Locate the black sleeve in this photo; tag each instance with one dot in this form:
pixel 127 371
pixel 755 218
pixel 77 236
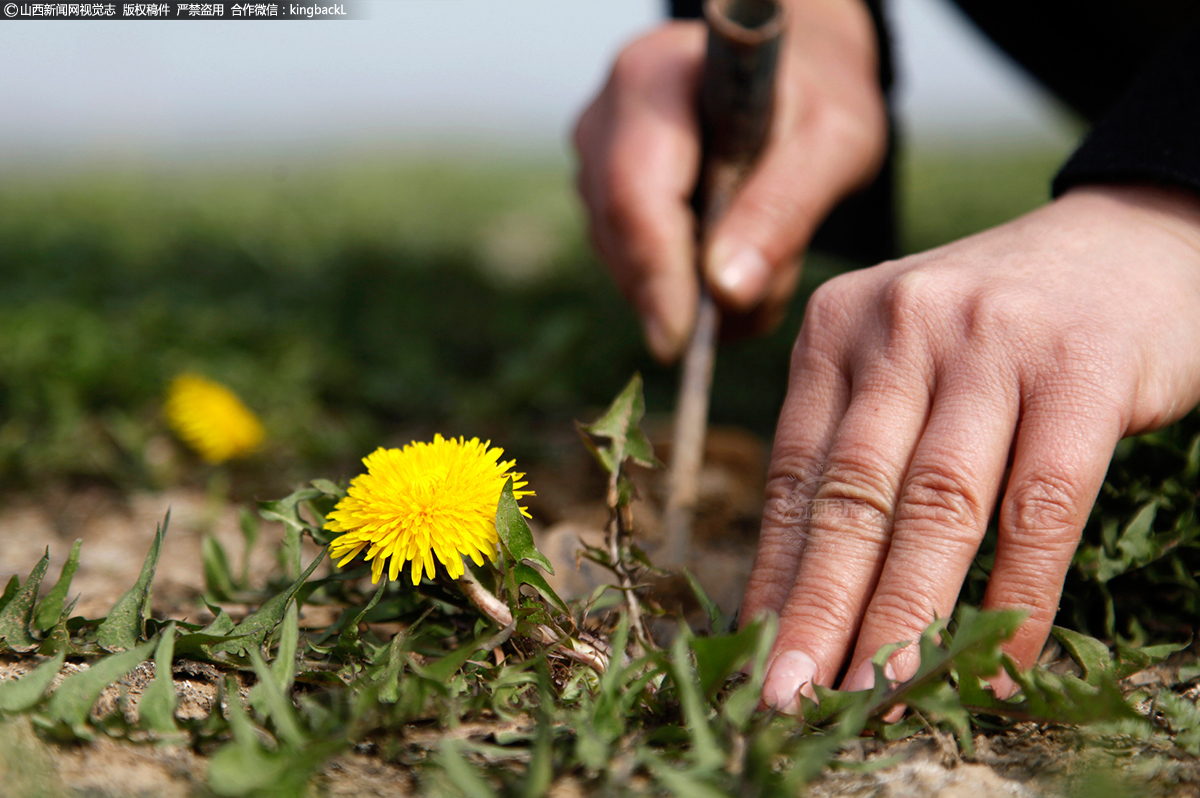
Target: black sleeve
pixel 1152 134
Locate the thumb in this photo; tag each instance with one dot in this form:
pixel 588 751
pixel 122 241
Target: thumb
pixel 772 218
pixel 802 175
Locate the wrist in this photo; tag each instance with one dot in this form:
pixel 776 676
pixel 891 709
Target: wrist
pixel 1167 208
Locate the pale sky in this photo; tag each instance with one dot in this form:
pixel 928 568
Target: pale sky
pixel 418 72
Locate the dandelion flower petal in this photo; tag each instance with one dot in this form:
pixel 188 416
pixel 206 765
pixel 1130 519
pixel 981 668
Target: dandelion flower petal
pixel 427 501
pixel 211 419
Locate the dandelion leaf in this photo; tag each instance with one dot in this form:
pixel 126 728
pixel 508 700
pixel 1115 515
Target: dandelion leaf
pixel 621 424
pixel 156 709
pixel 718 621
pixel 21 695
pixel 283 668
pixel 719 657
pixel 17 615
pixel 1089 653
pixel 348 642
pixel 10 590
pixel 218 578
pixel 245 767
pixel 126 621
pixel 276 704
pixel 253 630
pixel 514 530
pixel 528 576
pixel 66 713
pixel 705 752
pixel 50 608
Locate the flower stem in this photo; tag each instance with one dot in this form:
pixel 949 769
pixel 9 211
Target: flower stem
pixel 495 609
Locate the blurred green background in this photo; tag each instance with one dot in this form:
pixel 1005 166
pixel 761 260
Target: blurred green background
pixel 355 303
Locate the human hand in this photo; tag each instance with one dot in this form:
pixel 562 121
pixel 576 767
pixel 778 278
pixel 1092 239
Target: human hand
pixel 639 153
pixel 913 383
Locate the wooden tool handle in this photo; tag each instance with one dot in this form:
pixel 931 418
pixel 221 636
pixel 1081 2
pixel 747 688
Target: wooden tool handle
pixel 737 100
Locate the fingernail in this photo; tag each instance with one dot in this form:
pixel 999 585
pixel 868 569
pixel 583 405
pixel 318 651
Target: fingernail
pixel 861 679
pixel 740 275
pixel 1003 687
pixel 864 677
pixel 791 671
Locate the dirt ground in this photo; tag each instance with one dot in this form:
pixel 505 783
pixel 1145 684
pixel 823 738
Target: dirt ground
pixel 117 530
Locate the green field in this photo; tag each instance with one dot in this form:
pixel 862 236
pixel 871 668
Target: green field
pixel 351 302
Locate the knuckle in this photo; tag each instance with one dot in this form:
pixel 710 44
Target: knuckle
pixel 1041 503
pixel 826 614
pixel 1025 591
pixel 904 614
pixel 635 61
pixel 910 302
pixel 942 498
pixel 853 492
pixel 830 308
pixel 790 487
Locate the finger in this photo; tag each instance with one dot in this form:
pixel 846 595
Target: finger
pixel 639 149
pixel 767 314
pixel 942 515
pixel 816 400
pixel 773 217
pixel 848 532
pixel 1062 453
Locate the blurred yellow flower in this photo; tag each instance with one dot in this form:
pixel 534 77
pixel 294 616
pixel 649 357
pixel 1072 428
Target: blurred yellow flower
pixel 210 419
pixel 423 500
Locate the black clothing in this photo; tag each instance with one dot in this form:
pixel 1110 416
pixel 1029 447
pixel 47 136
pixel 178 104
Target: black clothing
pixel 1132 69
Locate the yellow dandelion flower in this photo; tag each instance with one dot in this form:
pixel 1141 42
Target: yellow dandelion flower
pixel 210 419
pixel 423 500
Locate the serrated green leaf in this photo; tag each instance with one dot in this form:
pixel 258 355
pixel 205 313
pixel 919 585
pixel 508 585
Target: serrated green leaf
pixel 218 578
pixel 17 615
pixel 255 627
pixel 156 709
pixel 348 638
pixel 50 608
pixel 244 767
pixel 278 706
pixel 389 676
pixel 442 669
pixel 10 590
pixel 739 707
pixel 514 530
pixel 325 486
pixel 719 657
pixel 1130 660
pixel 22 695
pixel 248 522
pixel 126 621
pixel 705 752
pixel 684 783
pixel 287 512
pixel 1091 654
pixel 526 575
pixel 283 667
pixel 718 621
pixel 620 423
pixel 68 708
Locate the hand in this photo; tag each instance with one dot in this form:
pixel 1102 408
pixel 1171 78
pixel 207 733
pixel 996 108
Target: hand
pixel 639 155
pixel 914 383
